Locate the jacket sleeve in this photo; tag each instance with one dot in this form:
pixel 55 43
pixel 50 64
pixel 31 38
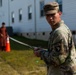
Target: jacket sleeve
pixel 59 50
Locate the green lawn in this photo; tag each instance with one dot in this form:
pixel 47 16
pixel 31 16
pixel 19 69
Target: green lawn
pixel 21 58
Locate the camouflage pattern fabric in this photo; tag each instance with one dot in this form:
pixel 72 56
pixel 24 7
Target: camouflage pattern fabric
pixel 61 55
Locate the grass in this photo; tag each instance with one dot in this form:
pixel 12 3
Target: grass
pixel 22 59
pixel 32 42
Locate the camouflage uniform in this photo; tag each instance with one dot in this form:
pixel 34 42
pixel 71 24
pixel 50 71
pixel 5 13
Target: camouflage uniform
pixel 60 56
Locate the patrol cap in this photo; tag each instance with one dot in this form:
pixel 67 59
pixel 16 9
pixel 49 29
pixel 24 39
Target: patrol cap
pixel 51 7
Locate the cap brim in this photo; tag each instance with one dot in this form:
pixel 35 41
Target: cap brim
pixel 51 12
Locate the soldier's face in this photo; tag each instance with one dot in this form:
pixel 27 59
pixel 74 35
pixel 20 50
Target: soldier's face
pixel 3 25
pixel 53 19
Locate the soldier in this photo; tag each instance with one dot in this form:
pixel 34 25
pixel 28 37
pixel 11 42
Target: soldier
pixel 3 36
pixel 60 57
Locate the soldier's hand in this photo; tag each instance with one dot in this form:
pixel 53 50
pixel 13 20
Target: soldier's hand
pixel 37 51
pixel 1 35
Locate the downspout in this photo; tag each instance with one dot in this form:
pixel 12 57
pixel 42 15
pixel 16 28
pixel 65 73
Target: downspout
pixel 9 12
pixel 35 19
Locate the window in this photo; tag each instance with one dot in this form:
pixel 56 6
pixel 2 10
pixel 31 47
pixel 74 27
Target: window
pixel 41 8
pixel 30 12
pixel 60 4
pixel 20 14
pixel 0 3
pixel 12 17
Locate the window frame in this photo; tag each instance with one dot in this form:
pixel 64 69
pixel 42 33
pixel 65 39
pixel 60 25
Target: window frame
pixel 30 12
pixel 41 8
pixel 20 14
pixel 1 3
pixel 12 17
pixel 60 4
pixel 11 0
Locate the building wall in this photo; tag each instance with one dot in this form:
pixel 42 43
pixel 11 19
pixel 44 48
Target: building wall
pixel 37 27
pixel 25 25
pixel 69 13
pixel 4 12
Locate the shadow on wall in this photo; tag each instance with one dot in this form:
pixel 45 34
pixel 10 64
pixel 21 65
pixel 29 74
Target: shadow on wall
pixel 10 30
pixel 74 36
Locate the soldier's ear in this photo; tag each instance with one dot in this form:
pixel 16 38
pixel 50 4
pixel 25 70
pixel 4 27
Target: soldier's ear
pixel 60 13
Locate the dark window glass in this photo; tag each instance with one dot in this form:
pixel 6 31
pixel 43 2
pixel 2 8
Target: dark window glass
pixel 41 8
pixel 30 12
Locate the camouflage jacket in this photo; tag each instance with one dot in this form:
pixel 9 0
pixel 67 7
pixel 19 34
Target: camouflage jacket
pixel 61 51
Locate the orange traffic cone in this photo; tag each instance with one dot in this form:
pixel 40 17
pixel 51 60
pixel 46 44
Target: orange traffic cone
pixel 8 45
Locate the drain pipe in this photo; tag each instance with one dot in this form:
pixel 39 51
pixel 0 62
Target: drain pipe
pixel 9 12
pixel 35 19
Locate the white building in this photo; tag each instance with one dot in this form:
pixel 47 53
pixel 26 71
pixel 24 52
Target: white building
pixel 27 18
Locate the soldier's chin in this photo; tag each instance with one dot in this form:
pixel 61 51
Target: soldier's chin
pixel 53 24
